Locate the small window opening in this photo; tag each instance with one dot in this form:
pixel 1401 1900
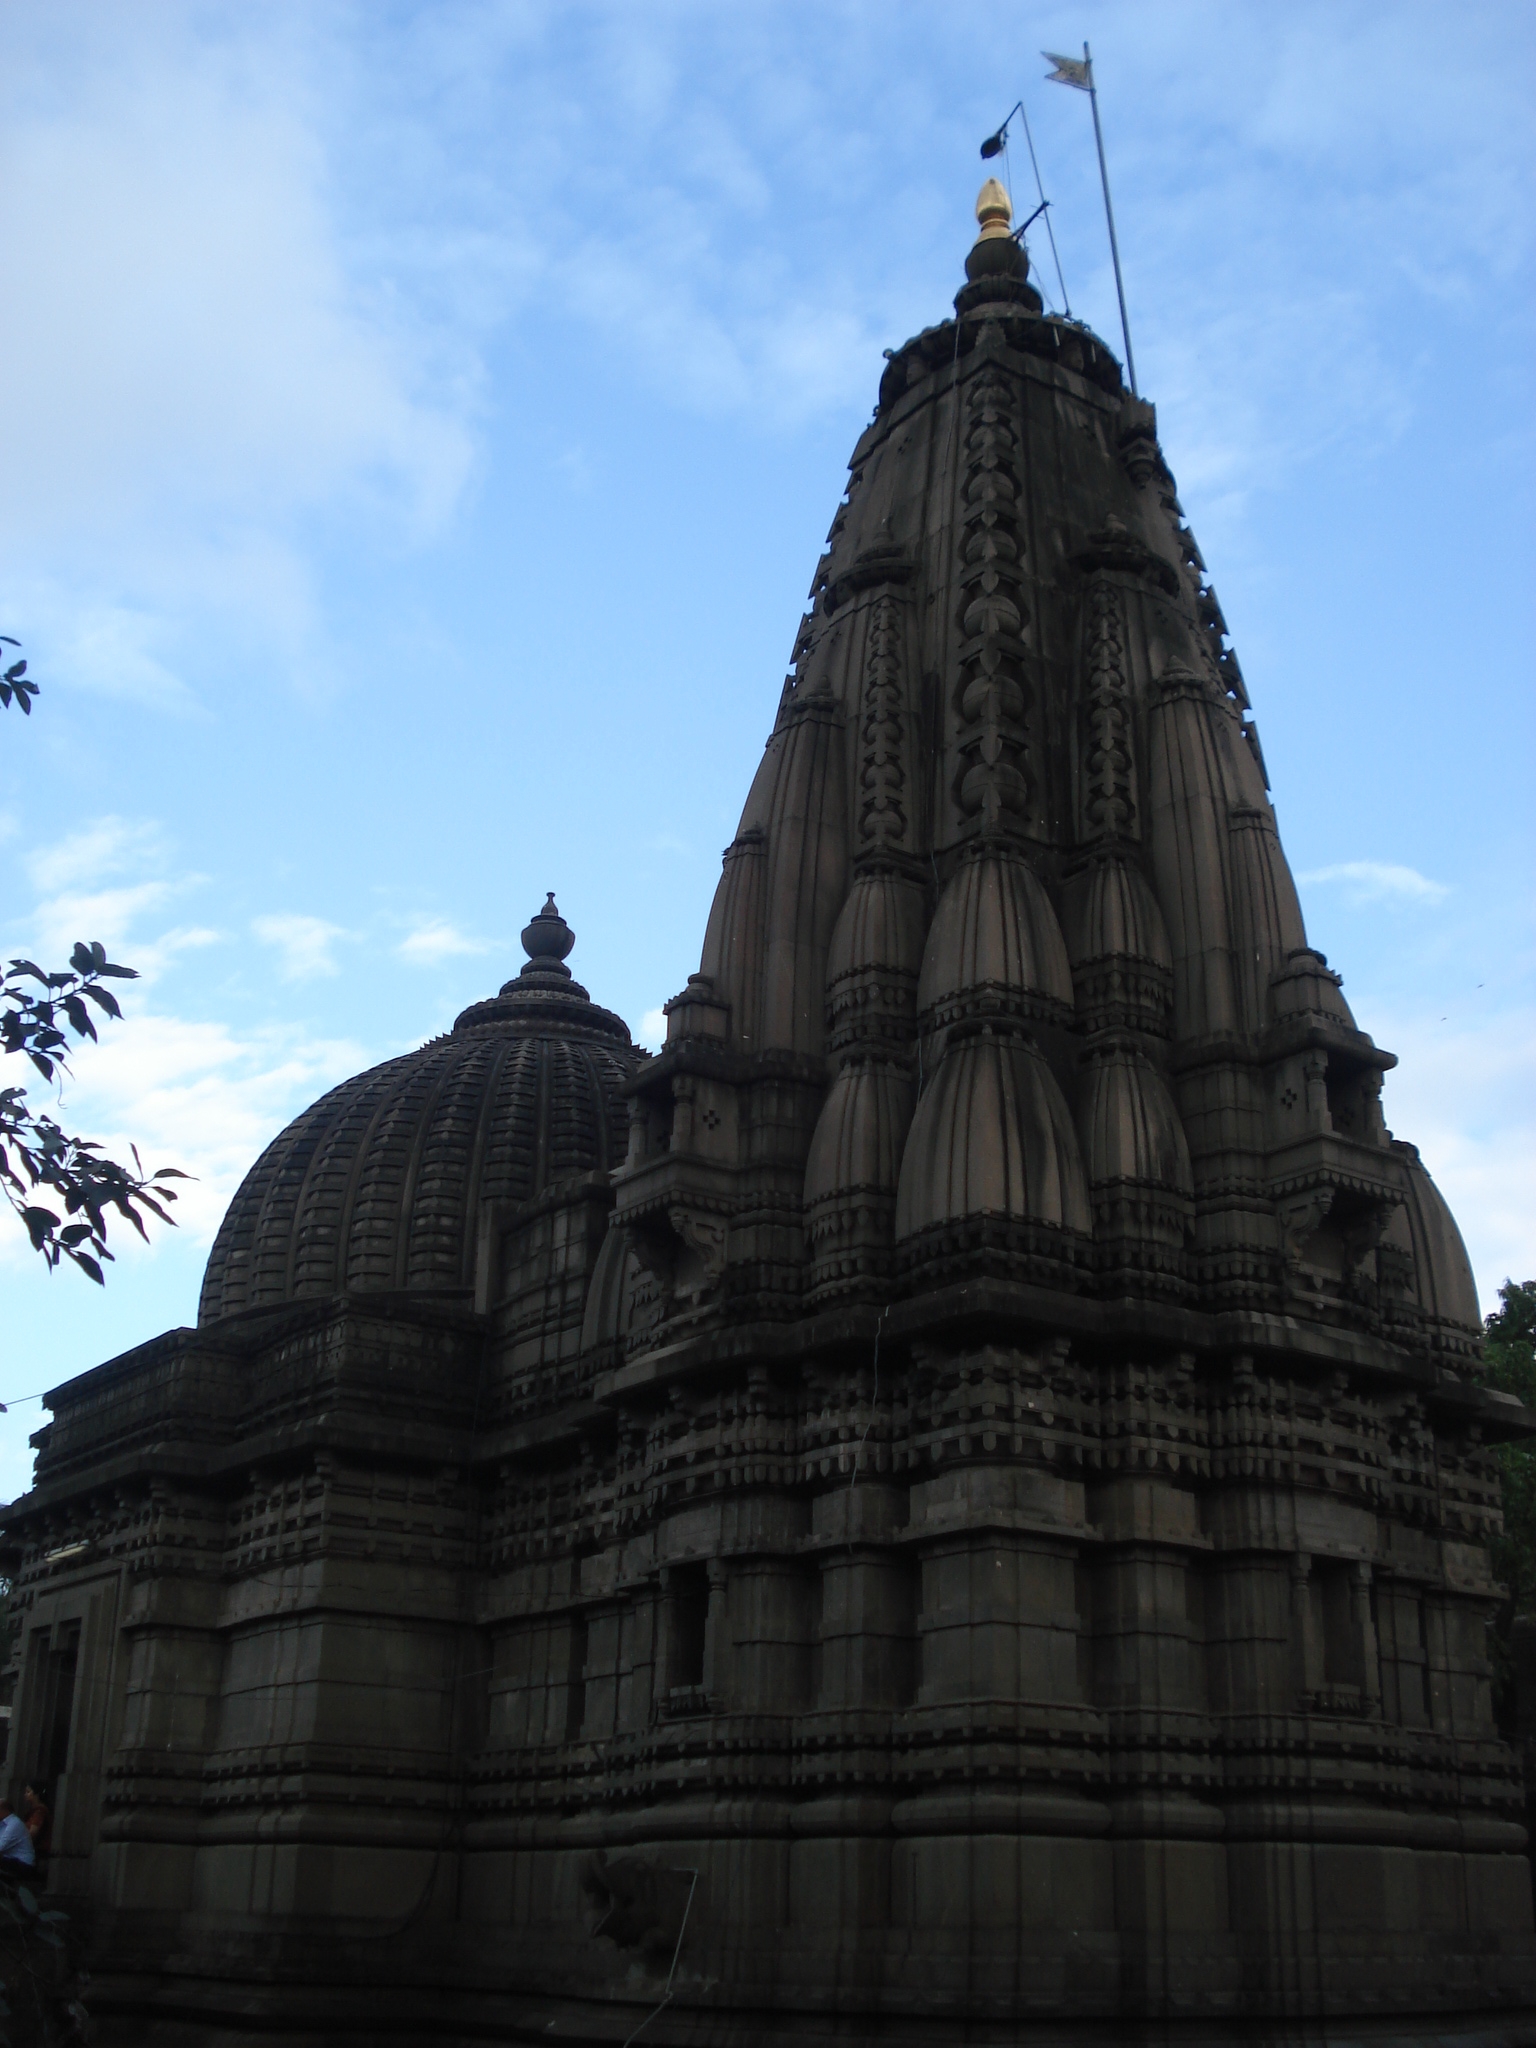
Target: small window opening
pixel 1338 1628
pixel 58 1702
pixel 688 1597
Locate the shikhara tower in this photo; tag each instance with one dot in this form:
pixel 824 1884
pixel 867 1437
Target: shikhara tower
pixel 972 1522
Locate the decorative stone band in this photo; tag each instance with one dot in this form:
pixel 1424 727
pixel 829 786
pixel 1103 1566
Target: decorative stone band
pixel 1178 682
pixel 868 571
pixel 1115 547
pixel 870 1008
pixel 935 351
pixel 1118 991
pixel 1140 1229
pixel 995 1246
pixel 991 1002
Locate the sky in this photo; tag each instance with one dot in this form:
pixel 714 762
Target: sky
pixel 419 424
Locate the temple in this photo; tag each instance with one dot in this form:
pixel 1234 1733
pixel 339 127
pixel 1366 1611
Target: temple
pixel 948 1505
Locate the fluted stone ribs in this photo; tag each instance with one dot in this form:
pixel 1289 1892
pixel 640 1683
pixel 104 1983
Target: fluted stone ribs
pixel 377 1188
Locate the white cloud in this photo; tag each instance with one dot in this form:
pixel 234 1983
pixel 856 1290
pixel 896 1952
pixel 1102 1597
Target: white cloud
pixel 1465 1094
pixel 105 914
pixel 202 1095
pixel 109 649
pixel 199 1096
pixel 1378 881
pixel 304 944
pixel 96 888
pixel 653 1029
pixel 198 358
pixel 434 941
pixel 184 323
pixel 110 846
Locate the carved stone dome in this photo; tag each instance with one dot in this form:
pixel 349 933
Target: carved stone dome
pixel 378 1186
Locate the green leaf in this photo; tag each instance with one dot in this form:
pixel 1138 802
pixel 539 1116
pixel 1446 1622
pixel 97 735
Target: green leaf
pixel 40 1224
pixel 79 1016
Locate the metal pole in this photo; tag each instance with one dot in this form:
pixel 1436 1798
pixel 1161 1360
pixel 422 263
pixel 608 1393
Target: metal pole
pixel 1109 214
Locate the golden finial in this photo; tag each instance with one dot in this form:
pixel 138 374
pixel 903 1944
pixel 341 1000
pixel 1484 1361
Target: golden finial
pixel 994 209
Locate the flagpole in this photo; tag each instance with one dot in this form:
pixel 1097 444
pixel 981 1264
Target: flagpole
pixel 1109 214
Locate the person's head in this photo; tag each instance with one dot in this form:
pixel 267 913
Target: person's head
pixel 35 1794
pixel 6 1808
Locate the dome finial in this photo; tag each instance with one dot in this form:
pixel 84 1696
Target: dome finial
pixel 995 253
pixel 994 209
pixel 547 938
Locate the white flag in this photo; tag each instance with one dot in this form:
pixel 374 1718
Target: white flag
pixel 1069 71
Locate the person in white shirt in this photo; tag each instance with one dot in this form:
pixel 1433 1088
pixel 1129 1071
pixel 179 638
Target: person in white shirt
pixel 15 1842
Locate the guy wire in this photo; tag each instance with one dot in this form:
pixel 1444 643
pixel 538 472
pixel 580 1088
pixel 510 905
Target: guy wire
pixel 1040 188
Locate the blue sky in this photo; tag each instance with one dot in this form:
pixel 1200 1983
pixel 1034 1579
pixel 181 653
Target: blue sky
pixel 419 427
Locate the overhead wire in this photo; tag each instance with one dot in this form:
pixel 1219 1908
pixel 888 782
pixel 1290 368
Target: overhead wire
pixel 666 1997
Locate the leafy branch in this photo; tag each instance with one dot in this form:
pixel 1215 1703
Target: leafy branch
pixel 41 1014
pixel 39 1010
pixel 15 685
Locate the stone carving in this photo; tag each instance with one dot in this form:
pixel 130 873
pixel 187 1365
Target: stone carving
pixel 992 695
pixel 883 796
pixel 973 1447
pixel 1109 775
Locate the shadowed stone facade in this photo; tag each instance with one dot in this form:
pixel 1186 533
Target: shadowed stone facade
pixel 946 1506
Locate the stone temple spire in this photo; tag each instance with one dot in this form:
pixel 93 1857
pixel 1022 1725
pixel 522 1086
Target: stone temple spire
pixel 1009 879
pixel 950 1504
pixel 1011 1103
